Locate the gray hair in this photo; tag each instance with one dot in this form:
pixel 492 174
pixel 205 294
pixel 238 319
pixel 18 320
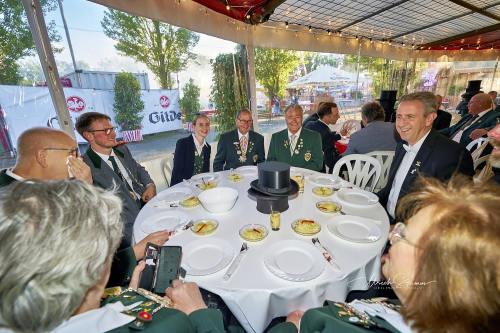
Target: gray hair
pixel 294 107
pixel 57 238
pixel 244 110
pixel 372 111
pixel 427 99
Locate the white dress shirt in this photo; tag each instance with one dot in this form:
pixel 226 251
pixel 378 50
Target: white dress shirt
pixel 458 136
pixel 297 135
pixel 199 147
pixel 122 168
pixel 404 167
pixel 9 172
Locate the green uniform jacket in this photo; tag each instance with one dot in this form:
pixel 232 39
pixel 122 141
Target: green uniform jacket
pixel 308 150
pixel 327 319
pixel 229 153
pixel 171 320
pixel 5 179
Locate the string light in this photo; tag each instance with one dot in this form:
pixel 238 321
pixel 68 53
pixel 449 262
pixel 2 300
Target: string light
pixel 248 16
pixel 329 33
pixel 286 25
pixel 310 29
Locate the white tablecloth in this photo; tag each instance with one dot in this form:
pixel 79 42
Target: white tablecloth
pixel 256 296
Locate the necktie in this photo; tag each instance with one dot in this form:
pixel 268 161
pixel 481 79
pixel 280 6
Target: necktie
pixel 293 139
pixel 467 123
pixel 116 169
pixel 243 144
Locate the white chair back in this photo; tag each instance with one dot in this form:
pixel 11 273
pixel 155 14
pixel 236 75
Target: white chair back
pixel 362 170
pixel 160 170
pixel 476 143
pixel 385 158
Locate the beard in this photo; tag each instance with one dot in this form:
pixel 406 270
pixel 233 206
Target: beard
pixel 495 154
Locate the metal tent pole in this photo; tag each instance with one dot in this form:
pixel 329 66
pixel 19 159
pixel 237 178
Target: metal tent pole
pixel 39 32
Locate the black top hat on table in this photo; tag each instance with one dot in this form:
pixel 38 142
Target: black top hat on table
pixel 273 187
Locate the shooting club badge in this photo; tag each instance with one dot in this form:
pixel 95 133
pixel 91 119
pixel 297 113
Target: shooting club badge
pixel 255 157
pixel 243 158
pixel 307 156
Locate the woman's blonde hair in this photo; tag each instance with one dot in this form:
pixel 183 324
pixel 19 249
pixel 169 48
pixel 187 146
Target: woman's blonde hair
pixel 460 251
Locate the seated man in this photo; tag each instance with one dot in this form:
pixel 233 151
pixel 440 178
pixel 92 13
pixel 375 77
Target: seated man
pixel 46 154
pixel 376 134
pixel 295 145
pixel 328 113
pixel 112 165
pixel 51 154
pixel 481 118
pixel 59 289
pixel 426 152
pixel 444 272
pixel 443 118
pixel 241 146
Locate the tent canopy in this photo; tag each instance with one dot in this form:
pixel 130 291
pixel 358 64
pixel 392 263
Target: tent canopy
pixel 324 76
pixel 432 30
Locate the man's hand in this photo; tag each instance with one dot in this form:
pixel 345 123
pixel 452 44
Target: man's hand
pixel 185 296
pixel 477 133
pixel 134 281
pixel 158 238
pixel 344 130
pixel 149 192
pixel 295 317
pixel 79 169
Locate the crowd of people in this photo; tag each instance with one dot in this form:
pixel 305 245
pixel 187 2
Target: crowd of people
pixel 66 222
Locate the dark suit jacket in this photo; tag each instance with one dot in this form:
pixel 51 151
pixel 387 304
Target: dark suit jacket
pixel 487 121
pixel 438 157
pixel 105 177
pixel 328 139
pixel 227 156
pixel 5 179
pixel 312 117
pixel 184 159
pixel 442 121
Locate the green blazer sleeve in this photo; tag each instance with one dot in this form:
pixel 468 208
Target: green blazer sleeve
pixel 220 156
pixel 207 321
pixel 284 328
pixel 122 267
pixel 316 146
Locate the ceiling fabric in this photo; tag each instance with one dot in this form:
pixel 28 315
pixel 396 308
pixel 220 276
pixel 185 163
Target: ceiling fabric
pixel 313 31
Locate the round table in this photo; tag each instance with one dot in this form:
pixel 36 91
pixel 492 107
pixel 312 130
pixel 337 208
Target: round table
pixel 253 293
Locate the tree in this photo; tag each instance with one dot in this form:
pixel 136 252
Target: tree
pixel 163 48
pixel 228 89
pixel 273 68
pixel 128 104
pixel 313 60
pixel 190 101
pixel 16 41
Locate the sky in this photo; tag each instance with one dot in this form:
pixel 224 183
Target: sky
pixel 91 46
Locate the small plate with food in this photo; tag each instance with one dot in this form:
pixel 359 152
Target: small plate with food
pixel 306 227
pixel 253 232
pixel 322 191
pixel 329 207
pixel 204 227
pixel 190 202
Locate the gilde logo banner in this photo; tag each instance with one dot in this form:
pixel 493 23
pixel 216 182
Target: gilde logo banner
pixel 75 104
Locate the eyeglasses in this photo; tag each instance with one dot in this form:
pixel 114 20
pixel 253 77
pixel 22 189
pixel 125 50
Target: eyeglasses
pixel 245 121
pixel 106 131
pixel 71 151
pixel 399 233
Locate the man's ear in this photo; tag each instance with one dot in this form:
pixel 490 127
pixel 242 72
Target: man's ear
pixel 41 157
pixel 430 118
pixel 87 136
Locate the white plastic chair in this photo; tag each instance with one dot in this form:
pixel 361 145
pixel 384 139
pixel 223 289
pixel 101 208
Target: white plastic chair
pixel 473 145
pixel 362 170
pixel 385 158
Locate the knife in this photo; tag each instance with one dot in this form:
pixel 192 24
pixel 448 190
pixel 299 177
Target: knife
pixel 236 262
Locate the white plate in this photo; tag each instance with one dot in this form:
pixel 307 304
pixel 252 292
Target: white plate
pixel 165 220
pixel 206 256
pixel 355 229
pixel 173 195
pixel 294 260
pixel 207 177
pixel 322 180
pixel 356 197
pixel 247 170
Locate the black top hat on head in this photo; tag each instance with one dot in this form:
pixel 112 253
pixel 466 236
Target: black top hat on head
pixel 274 179
pixel 274 186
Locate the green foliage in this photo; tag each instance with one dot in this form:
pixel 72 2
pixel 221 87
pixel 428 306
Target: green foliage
pixel 273 68
pixel 128 105
pixel 190 101
pixel 163 48
pixel 455 89
pixel 228 89
pixel 313 60
pixel 16 41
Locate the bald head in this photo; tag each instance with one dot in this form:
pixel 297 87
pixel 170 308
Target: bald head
pixel 43 152
pixel 479 103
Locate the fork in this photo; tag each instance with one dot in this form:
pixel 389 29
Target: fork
pixel 236 262
pixel 181 227
pixel 326 253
